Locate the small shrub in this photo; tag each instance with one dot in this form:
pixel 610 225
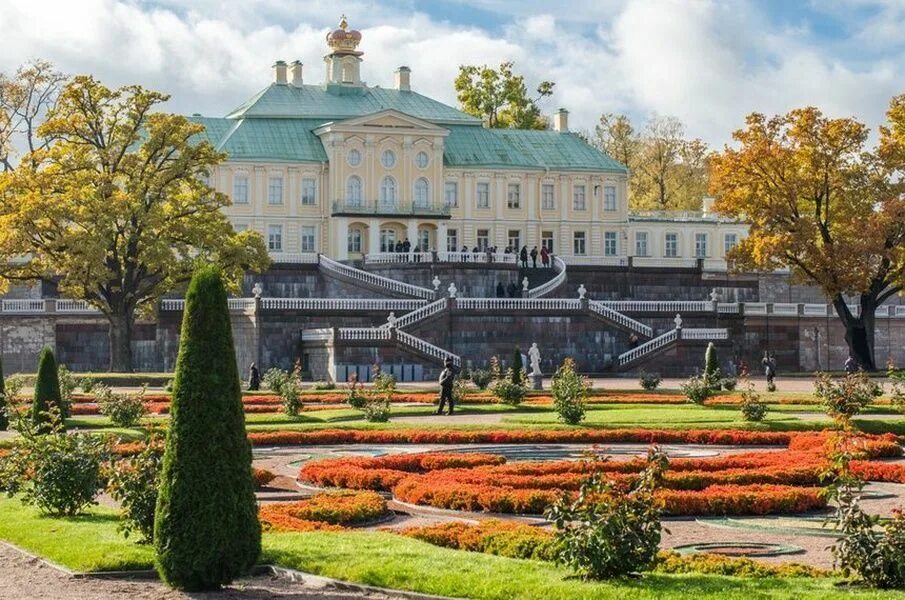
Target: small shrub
pixel 123 410
pixel 610 530
pixel 385 385
pixel 355 394
pixel 377 410
pixel 322 386
pixel 288 387
pixel 481 378
pixel 729 383
pixel 460 390
pixel 696 389
pixel 86 384
pixel 133 482
pixel 847 397
pixel 496 369
pixel 897 387
pixel 649 381
pixel 569 391
pixel 68 384
pixel 508 392
pixel 59 474
pixel 753 408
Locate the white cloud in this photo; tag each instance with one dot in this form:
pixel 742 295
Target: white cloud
pixel 707 62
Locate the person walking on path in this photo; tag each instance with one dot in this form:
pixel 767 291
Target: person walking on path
pixel 523 257
pixel 544 256
pixel 851 365
pixel 534 257
pixel 769 364
pixel 254 378
pixel 447 378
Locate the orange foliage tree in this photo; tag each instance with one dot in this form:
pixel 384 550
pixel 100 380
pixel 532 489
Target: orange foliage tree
pixel 821 203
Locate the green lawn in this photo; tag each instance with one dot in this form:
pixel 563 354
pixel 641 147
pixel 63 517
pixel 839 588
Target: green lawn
pixel 91 543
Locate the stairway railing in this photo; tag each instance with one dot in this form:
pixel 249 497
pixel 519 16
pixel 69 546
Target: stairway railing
pixel 391 285
pixel 617 317
pixel 542 290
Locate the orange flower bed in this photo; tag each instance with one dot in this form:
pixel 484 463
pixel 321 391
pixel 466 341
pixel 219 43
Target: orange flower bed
pixel 262 477
pixel 731 437
pixel 323 511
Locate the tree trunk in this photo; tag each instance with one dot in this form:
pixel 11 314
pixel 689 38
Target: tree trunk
pixel 121 342
pixel 859 331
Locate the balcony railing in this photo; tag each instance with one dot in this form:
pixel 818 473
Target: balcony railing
pixel 397 208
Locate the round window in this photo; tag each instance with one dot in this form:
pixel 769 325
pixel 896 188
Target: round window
pixel 421 159
pixel 388 159
pixel 354 158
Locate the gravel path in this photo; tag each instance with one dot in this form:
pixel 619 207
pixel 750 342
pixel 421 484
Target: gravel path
pixel 22 576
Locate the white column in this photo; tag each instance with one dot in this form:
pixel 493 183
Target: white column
pixel 413 232
pixel 374 236
pixel 342 237
pixel 441 236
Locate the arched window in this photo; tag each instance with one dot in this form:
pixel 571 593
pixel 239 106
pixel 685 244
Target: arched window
pixel 422 193
pixel 388 191
pixel 353 191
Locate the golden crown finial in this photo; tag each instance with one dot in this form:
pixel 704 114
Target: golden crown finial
pixel 343 23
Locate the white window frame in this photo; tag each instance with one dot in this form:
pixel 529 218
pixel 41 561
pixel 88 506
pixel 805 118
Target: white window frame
pixel 308 238
pixel 727 247
pixel 609 198
pixel 579 243
pixel 356 153
pixel 546 240
pixel 422 193
pixel 671 246
pixel 482 238
pixel 517 237
pixel 700 245
pixel 388 192
pixel 353 191
pixel 275 238
pixel 514 196
pixel 579 197
pixel 610 243
pixel 422 164
pixel 482 194
pixel 642 243
pixel 353 240
pixel 240 184
pixel 275 190
pixel 451 194
pixel 452 240
pixel 309 191
pixel 547 196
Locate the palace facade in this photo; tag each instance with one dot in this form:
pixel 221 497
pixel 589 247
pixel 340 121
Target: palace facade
pixel 347 170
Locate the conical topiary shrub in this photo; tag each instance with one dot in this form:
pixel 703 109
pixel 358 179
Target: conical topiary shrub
pixel 711 365
pixel 206 530
pixel 518 369
pixel 47 390
pixel 4 417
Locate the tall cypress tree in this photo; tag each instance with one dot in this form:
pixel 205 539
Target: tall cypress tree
pixel 47 390
pixel 711 364
pixel 518 368
pixel 4 417
pixel 206 530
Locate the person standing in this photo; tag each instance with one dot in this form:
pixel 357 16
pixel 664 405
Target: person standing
pixel 447 378
pixel 769 364
pixel 851 365
pixel 500 290
pixel 534 257
pixel 523 257
pixel 544 257
pixel 254 378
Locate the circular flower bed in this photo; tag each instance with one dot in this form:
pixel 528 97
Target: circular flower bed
pixel 327 511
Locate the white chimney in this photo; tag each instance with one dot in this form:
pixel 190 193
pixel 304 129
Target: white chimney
pixel 707 204
pixel 295 73
pixel 404 79
pixel 561 120
pixel 279 72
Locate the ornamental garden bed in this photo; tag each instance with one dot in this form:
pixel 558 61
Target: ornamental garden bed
pixel 754 483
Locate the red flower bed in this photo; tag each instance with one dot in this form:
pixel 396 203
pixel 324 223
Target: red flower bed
pixel 262 477
pixel 323 511
pixel 732 437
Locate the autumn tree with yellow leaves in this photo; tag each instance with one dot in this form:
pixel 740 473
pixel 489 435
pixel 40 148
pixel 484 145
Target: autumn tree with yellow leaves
pixel 115 207
pixel 824 205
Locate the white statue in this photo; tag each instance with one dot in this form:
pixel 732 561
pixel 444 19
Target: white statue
pixel 452 290
pixel 582 290
pixel 525 284
pixel 534 358
pixel 678 321
pixel 714 295
pixel 436 283
pixel 391 320
pixel 257 290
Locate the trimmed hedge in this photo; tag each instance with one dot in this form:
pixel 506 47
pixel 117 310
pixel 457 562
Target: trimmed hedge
pixel 206 531
pixel 47 390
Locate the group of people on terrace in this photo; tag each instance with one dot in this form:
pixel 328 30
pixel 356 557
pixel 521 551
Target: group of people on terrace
pixel 522 256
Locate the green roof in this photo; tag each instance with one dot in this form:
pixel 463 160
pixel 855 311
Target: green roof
pixel 278 124
pixel 525 149
pixel 344 102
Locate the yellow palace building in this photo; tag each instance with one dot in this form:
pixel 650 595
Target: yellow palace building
pixel 347 170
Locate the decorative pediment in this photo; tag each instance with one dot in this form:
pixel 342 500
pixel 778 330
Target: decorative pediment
pixel 383 121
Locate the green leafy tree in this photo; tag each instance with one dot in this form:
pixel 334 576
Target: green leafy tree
pixel 116 208
pixel 570 390
pixel 47 390
pixel 206 529
pixel 500 97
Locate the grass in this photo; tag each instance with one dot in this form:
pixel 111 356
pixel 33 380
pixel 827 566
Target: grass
pixel 91 543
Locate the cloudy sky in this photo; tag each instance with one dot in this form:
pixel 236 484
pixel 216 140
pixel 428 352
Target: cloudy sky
pixel 709 62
